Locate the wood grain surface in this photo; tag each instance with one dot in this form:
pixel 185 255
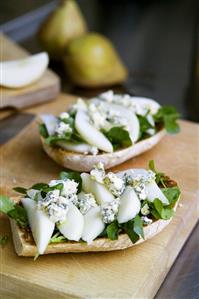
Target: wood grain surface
pixel 136 272
pixel 45 89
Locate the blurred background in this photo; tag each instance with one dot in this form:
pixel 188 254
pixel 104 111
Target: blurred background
pixel 158 42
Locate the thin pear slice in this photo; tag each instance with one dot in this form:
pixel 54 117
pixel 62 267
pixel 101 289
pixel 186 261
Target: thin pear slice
pixel 50 121
pixel 41 226
pixel 72 227
pixel 153 192
pixel 93 225
pixel 129 205
pixel 101 193
pixel 75 147
pixel 22 72
pixel 133 122
pixel 90 134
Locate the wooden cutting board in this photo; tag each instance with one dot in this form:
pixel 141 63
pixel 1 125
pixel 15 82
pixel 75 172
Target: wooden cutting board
pixel 133 273
pixel 45 89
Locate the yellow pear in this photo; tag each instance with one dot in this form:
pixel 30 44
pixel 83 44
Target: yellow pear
pixel 65 23
pixel 92 61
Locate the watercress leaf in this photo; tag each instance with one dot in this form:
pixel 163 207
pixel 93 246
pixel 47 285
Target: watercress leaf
pixel 6 204
pixel 20 190
pixel 39 186
pixel 55 187
pixel 172 194
pixel 168 116
pixel 158 205
pixel 3 240
pixel 129 229
pixel 160 176
pixel 43 130
pixel 57 238
pixel 19 215
pixel 51 140
pixel 165 212
pixel 144 126
pixel 119 137
pixel 72 175
pixel 138 226
pixel 113 230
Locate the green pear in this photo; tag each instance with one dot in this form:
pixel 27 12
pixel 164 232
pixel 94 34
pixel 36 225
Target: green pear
pixel 92 61
pixel 64 24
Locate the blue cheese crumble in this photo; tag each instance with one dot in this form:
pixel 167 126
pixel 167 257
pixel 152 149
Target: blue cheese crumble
pixel 98 173
pixel 145 210
pixel 114 184
pixel 62 129
pixel 85 202
pixel 109 211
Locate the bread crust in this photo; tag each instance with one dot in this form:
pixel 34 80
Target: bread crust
pixel 25 246
pixel 82 162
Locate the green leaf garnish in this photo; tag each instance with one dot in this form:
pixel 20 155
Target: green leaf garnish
pixel 57 238
pixel 161 211
pixel 13 210
pixel 43 130
pixel 119 137
pixel 6 204
pixel 160 176
pixel 53 139
pixel 39 186
pixel 172 194
pixel 20 190
pixel 3 240
pixel 113 230
pixel 129 229
pixel 144 126
pixel 72 175
pixel 138 226
pixel 168 116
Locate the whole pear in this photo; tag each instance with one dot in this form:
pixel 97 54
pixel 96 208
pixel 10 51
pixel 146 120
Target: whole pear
pixel 92 61
pixel 63 24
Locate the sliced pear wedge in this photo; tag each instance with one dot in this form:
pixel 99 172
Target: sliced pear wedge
pixel 101 193
pixel 41 226
pixel 90 134
pixel 151 105
pixel 50 122
pixel 72 227
pixel 93 225
pixel 133 122
pixel 75 147
pixel 129 205
pixel 22 72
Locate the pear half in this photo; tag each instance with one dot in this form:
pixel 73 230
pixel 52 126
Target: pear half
pixel 22 72
pixel 41 226
pixel 92 61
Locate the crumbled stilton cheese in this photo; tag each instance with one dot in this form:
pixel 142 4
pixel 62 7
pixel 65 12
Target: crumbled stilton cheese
pixel 109 211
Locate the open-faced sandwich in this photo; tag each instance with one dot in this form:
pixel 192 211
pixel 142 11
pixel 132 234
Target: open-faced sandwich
pixel 110 128
pixel 91 212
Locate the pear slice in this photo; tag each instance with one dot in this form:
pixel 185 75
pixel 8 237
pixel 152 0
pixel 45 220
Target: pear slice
pixel 129 205
pixel 72 227
pixel 90 134
pixel 75 147
pixel 41 226
pixel 153 192
pixel 152 189
pixel 50 121
pixel 22 72
pixel 93 225
pixel 133 122
pixel 101 193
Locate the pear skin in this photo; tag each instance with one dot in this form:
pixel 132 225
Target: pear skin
pixel 92 61
pixel 62 25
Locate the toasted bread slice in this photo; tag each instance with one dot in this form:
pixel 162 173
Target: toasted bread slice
pixel 25 245
pixel 82 162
